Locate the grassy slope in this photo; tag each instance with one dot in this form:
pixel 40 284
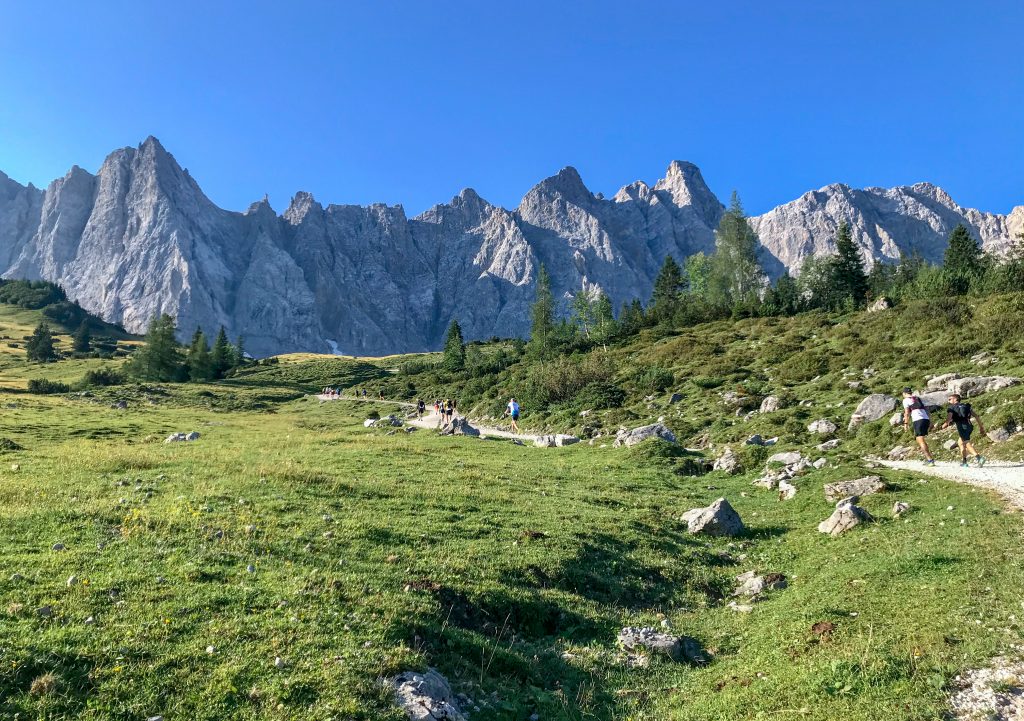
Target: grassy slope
pixel 508 568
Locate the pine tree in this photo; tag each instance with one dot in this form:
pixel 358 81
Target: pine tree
pixel 199 360
pixel 849 282
pixel 735 275
pixel 454 358
pixel 39 347
pixel 159 358
pixel 223 355
pixel 631 319
pixel 82 340
pixel 964 263
pixel 542 315
pixel 239 351
pixel 668 287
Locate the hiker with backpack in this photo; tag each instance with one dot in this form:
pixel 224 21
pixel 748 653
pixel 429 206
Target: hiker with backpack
pixel 915 412
pixel 961 414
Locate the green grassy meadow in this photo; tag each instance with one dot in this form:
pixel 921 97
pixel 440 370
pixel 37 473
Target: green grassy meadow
pixel 289 531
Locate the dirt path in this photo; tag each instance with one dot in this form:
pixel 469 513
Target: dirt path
pixel 1004 477
pixel 432 421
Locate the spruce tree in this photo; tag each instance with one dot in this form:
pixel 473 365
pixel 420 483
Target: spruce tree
pixel 199 360
pixel 735 275
pixel 964 263
pixel 239 351
pixel 159 358
pixel 82 340
pixel 542 315
pixel 454 358
pixel 223 355
pixel 849 282
pixel 39 347
pixel 668 288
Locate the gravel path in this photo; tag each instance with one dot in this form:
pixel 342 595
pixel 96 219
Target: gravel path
pixel 1004 477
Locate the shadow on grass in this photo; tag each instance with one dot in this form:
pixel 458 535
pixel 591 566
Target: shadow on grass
pixel 64 678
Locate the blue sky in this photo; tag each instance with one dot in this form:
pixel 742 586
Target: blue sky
pixel 408 102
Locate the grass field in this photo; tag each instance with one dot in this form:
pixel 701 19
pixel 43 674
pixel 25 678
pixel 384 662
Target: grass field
pixel 289 531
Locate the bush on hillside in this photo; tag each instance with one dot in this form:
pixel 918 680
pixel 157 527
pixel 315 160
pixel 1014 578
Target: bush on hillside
pixel 802 367
pixel 654 379
pixel 42 386
pixel 102 377
pixel 600 395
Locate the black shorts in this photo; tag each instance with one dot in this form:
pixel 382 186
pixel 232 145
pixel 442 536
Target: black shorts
pixel 965 431
pixel 921 427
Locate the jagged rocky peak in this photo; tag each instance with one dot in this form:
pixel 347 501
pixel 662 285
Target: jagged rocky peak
pixel 566 183
pixel 686 186
pixel 302 204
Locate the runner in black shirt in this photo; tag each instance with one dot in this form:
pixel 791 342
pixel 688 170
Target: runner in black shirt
pixel 961 414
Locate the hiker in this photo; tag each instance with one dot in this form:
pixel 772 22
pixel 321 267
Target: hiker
pixel 512 410
pixel 914 412
pixel 380 395
pixel 449 408
pixel 960 415
pixel 421 408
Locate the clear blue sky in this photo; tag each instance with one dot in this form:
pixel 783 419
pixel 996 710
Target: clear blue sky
pixel 408 102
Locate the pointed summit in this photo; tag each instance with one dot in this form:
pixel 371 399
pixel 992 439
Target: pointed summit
pixel 566 183
pixel 685 185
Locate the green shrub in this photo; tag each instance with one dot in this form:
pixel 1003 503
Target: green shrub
pixel 600 395
pixel 47 387
pixel 654 379
pixel 802 367
pixel 707 382
pixel 102 377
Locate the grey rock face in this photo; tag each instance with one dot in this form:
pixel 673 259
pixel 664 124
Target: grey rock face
pixel 835 492
pixel 639 435
pixel 718 519
pixel 140 238
pixel 678 648
pixel 846 516
pixel 884 222
pixel 425 697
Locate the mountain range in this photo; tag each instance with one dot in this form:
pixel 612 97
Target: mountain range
pixel 140 238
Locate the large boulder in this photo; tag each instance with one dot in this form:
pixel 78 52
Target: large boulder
pixel 678 648
pixel 788 458
pixel 872 408
pixel 941 382
pixel 846 516
pixel 770 404
pixel 976 385
pixel 829 445
pixel 555 440
pixel 899 453
pixel 999 435
pixel 639 435
pixel 823 427
pixel 718 519
pixel 425 697
pixel 459 427
pixel 881 304
pixel 865 486
pixel 728 462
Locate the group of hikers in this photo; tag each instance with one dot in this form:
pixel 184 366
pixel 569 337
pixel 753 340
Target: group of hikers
pixel 332 393
pixel 917 415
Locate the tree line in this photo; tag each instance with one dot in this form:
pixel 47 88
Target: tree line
pixel 163 358
pixel 731 283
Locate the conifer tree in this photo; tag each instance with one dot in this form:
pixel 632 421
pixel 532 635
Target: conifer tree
pixel 735 275
pixel 668 288
pixel 223 354
pixel 542 315
pixel 82 340
pixel 454 358
pixel 849 282
pixel 159 358
pixel 39 347
pixel 964 263
pixel 199 360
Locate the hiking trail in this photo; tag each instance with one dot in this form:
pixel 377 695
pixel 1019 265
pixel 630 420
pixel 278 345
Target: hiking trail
pixel 1004 477
pixel 432 420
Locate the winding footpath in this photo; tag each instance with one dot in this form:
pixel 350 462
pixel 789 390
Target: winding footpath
pixel 1004 477
pixel 432 421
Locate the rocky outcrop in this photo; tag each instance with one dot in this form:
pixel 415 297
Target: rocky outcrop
pixel 639 435
pixel 846 516
pixel 140 238
pixel 872 408
pixel 718 519
pixel 839 490
pixel 425 697
pixel 678 648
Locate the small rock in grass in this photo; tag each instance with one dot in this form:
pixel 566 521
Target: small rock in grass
pixel 899 508
pixel 72 580
pixel 250 568
pixel 90 621
pixel 211 650
pixel 718 519
pixel 740 607
pixel 846 516
pixel 678 648
pixel 57 547
pixel 45 611
pixel 279 662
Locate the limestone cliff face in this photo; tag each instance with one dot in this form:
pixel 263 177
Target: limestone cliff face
pixel 884 222
pixel 139 238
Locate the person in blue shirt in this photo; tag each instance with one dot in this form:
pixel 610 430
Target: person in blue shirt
pixel 512 410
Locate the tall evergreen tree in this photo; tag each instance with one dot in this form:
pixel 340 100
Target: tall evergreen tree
pixel 735 275
pixel 199 360
pixel 604 318
pixel 849 282
pixel 82 340
pixel 964 263
pixel 223 354
pixel 542 315
pixel 159 358
pixel 668 287
pixel 454 358
pixel 39 347
pixel 239 354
